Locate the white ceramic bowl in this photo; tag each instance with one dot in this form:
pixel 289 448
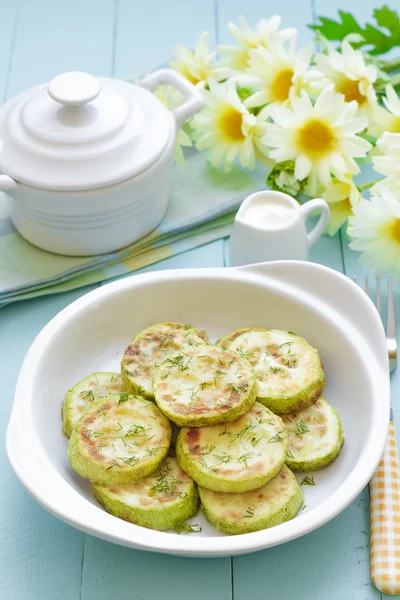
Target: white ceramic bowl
pixel 91 334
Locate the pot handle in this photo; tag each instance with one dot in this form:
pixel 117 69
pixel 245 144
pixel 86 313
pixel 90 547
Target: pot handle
pixel 194 99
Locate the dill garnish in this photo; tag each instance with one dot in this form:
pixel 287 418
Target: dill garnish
pixel 308 481
pixel 249 513
pixel 276 438
pixel 123 398
pixel 301 428
pixel 284 344
pixel 187 528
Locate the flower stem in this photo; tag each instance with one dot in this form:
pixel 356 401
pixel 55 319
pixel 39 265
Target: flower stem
pixel 395 81
pixel 365 186
pixel 391 65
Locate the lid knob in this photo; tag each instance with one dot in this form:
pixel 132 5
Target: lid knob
pixel 74 88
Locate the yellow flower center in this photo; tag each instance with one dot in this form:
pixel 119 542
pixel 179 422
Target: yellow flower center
pixel 230 123
pixel 394 230
pixel 316 138
pixel 351 90
pixel 394 126
pixel 281 85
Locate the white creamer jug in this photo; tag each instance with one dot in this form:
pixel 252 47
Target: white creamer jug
pixel 271 226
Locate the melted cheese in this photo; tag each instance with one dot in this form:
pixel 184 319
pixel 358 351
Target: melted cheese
pixel 252 446
pixel 202 381
pixel 151 347
pixel 283 363
pixel 167 486
pixel 123 432
pixel 83 394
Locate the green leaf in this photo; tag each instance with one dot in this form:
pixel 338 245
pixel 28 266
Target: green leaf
pixel 381 37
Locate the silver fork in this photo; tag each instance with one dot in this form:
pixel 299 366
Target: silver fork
pixel 390 318
pixel 384 487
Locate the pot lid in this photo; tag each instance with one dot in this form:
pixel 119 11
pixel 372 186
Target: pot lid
pixel 79 132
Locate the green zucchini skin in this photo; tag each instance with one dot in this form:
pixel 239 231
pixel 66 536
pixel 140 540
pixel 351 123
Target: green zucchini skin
pixel 119 439
pixel 234 457
pixel 203 385
pixel 83 394
pixel 288 370
pixel 150 348
pixel 315 435
pixel 159 501
pixel 277 501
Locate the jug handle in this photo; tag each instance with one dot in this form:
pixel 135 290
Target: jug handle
pixel 309 207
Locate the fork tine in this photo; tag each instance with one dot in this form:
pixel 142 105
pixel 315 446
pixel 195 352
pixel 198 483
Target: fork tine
pixel 355 278
pixel 378 295
pixel 366 285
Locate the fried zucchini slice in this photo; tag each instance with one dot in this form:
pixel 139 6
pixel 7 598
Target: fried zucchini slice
pixel 288 370
pixel 234 457
pixel 277 501
pixel 81 396
pixel 315 436
pixel 203 385
pixel 150 348
pixel 119 439
pixel 159 501
pixel 226 340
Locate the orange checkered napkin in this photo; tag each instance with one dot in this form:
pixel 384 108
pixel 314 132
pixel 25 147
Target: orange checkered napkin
pixel 385 520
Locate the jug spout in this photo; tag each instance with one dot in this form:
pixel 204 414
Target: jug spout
pixel 7 184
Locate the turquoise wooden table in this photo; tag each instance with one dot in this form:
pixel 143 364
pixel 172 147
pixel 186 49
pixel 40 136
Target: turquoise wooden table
pixel 40 557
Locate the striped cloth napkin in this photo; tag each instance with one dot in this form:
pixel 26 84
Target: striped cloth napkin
pixel 202 206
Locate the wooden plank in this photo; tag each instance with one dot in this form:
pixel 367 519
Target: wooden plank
pixel 331 563
pixel 120 573
pixel 112 571
pixel 53 37
pixel 147 36
pixel 208 256
pixel 40 557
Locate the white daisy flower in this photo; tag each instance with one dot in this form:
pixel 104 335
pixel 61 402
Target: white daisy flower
pixel 386 120
pixel 227 128
pixel 198 65
pixel 342 197
pixel 350 75
pixel 265 32
pixel 320 138
pixel 388 163
pixel 171 98
pixel 375 228
pixel 277 73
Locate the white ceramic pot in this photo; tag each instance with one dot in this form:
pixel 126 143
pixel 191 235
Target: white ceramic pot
pixel 86 162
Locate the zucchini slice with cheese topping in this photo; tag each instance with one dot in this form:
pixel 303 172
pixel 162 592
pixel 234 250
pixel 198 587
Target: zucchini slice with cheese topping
pixel 159 501
pixel 226 340
pixel 119 439
pixel 81 396
pixel 203 385
pixel 288 370
pixel 277 501
pixel 234 457
pixel 315 436
pixel 151 347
